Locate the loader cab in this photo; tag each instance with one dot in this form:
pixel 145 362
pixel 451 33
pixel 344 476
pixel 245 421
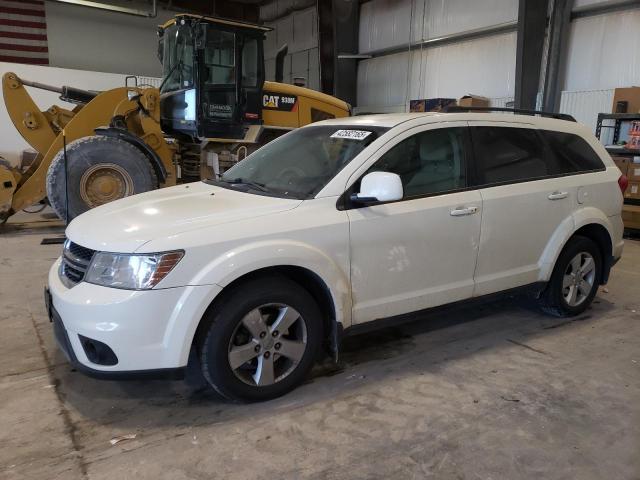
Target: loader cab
pixel 213 74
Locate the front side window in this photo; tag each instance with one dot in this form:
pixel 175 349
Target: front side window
pixel 428 163
pixel 220 58
pixel 300 163
pixel 571 153
pixel 506 154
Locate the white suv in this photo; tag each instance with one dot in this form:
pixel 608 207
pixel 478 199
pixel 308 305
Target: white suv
pixel 327 228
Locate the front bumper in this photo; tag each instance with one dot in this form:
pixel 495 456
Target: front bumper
pixel 62 339
pixel 150 332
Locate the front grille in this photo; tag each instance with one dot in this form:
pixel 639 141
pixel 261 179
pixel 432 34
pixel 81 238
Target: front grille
pixel 75 261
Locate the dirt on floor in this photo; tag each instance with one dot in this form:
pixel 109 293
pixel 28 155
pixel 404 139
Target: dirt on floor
pixel 497 391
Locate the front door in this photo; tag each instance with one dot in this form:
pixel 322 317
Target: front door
pixel 419 252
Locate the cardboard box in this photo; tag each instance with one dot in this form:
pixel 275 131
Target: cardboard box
pixel 470 100
pixel 633 190
pixel 621 162
pixel 633 172
pixel 631 95
pixel 631 216
pixel 430 104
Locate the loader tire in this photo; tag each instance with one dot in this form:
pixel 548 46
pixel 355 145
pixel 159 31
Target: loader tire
pixel 100 170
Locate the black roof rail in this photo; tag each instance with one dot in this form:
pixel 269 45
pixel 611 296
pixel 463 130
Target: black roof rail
pixel 559 116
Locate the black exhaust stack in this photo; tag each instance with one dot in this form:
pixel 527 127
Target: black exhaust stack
pixel 280 62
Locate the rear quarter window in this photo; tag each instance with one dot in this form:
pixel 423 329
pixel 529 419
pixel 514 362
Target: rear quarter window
pixel 571 153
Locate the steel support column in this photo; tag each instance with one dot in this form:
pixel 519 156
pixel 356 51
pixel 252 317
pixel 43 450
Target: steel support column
pixel 532 22
pixel 346 14
pixel 327 51
pixel 557 54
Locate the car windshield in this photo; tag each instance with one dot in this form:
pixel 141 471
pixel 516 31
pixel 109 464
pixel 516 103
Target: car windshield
pixel 300 163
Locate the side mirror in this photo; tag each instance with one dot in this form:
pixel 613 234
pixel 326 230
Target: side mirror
pixel 379 187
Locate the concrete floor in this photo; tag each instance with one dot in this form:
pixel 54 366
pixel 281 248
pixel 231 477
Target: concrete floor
pixel 496 392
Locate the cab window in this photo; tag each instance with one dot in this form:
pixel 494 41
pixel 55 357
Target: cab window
pixel 219 58
pixel 250 63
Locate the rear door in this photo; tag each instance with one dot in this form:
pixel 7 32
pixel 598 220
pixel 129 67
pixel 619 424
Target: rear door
pixel 524 202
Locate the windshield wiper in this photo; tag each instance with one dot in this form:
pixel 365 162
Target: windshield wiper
pixel 242 181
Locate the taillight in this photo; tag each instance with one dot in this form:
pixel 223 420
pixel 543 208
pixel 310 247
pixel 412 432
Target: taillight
pixel 623 182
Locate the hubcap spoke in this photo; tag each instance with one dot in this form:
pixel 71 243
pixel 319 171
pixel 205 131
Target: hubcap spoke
pixel 286 317
pixel 567 281
pixel 238 356
pixel 575 263
pixel 587 267
pixel 572 296
pixel 584 287
pixel 292 349
pixel 254 323
pixel 264 374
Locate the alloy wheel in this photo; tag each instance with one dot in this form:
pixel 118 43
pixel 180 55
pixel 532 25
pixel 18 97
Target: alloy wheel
pixel 267 344
pixel 578 280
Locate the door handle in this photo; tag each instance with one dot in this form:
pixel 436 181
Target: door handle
pixel 558 195
pixel 461 211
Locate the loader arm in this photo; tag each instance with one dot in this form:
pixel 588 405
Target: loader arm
pixel 44 131
pixel 32 124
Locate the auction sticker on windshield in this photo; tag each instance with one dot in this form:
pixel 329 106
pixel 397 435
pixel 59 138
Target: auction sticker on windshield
pixel 351 134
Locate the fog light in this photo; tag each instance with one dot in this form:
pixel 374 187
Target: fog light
pixel 97 352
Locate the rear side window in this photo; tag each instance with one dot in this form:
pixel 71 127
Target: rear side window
pixel 506 154
pixel 571 153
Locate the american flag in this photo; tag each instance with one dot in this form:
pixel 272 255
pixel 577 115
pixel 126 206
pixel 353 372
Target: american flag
pixel 23 32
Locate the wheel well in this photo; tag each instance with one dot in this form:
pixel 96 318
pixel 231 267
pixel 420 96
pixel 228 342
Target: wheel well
pixel 307 279
pixel 598 234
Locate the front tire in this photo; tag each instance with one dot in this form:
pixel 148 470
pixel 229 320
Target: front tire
pixel 575 279
pixel 261 341
pixel 100 170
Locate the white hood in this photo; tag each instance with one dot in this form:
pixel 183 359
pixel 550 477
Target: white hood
pixel 125 225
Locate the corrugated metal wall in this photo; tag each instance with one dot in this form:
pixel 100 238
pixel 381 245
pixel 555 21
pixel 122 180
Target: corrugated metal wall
pixel 389 82
pixel 585 105
pixel 602 54
pixel 604 51
pixel 488 70
pixel 391 23
pixel 298 28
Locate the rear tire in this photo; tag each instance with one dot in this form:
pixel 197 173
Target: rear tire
pixel 100 170
pixel 575 279
pixel 243 354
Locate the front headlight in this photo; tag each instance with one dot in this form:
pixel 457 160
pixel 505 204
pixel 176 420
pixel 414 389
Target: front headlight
pixel 131 271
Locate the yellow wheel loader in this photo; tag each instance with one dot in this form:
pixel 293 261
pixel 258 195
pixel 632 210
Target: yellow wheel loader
pixel 213 108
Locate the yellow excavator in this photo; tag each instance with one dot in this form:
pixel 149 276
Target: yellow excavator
pixel 212 108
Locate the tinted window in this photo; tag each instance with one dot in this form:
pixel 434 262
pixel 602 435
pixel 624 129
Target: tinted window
pixel 571 153
pixel 507 154
pixel 428 162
